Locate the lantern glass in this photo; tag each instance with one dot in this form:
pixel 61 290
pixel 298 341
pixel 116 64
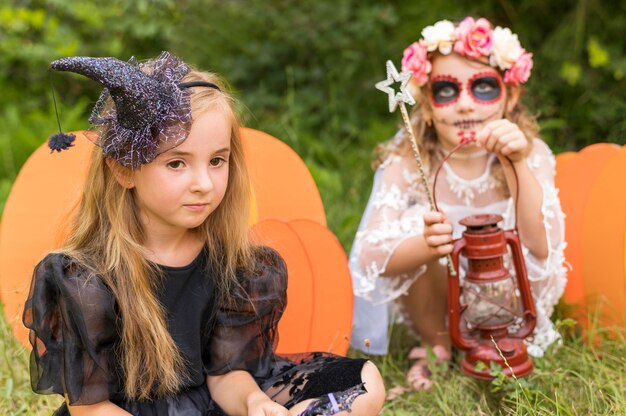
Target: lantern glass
pixel 490 304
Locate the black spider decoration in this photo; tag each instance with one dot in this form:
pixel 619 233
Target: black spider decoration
pixel 60 141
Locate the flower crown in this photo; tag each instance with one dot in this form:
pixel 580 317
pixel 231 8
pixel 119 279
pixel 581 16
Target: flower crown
pixel 474 39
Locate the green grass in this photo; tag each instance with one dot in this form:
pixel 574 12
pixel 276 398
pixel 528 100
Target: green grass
pixel 577 378
pixel 16 395
pixel 580 377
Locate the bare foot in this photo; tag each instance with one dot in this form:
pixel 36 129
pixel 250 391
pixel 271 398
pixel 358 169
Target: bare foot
pixel 419 375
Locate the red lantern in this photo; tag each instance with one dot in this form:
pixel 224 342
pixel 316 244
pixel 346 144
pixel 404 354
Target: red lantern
pixel 484 310
pixel 487 303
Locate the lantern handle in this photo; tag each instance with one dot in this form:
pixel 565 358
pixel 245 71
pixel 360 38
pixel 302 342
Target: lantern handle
pixel 463 142
pixel 454 296
pixel 530 315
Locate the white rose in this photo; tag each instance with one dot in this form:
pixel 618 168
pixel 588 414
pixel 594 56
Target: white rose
pixel 440 35
pixel 506 48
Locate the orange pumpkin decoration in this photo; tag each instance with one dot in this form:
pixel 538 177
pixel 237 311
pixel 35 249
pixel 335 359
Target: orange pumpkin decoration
pixel 320 289
pixel 576 172
pixel 282 185
pixel 38 207
pixel 38 211
pixel 594 201
pixel 603 240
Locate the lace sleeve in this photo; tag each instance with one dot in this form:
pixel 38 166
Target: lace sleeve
pixel 245 334
pixel 393 214
pixel 72 332
pixel 547 277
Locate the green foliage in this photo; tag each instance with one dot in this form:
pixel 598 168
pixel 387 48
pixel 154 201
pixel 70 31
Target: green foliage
pixel 23 133
pixel 584 48
pixel 316 59
pixel 37 31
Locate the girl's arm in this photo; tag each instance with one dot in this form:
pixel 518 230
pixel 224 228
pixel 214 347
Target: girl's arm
pixel 237 393
pixel 530 224
pixel 506 140
pixel 99 409
pixel 244 337
pixel 71 321
pixel 398 233
pixel 424 248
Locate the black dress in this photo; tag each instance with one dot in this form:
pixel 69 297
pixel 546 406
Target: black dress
pixel 74 331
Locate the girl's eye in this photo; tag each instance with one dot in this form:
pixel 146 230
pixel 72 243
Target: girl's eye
pixel 486 88
pixel 176 164
pixel 445 91
pixel 217 161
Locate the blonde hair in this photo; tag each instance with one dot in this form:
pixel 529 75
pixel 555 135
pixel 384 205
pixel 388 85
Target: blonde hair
pixel 427 139
pixel 106 239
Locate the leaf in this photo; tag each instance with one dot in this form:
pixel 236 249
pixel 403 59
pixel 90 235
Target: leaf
pixel 567 322
pixel 480 366
pixel 495 368
pixel 598 55
pixel 571 72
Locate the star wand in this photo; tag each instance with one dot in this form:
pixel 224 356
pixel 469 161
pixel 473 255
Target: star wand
pixel 399 99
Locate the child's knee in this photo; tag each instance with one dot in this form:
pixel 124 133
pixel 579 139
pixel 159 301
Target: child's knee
pixel 375 387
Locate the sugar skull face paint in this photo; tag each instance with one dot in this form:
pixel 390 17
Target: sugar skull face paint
pixel 445 90
pixel 465 95
pixel 483 87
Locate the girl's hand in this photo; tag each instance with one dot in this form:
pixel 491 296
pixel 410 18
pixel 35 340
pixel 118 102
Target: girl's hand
pixel 438 233
pixel 504 138
pixel 261 405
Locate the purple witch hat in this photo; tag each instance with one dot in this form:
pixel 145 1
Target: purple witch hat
pixel 144 110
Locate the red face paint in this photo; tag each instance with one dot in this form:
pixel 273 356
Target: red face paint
pixel 444 90
pixel 485 87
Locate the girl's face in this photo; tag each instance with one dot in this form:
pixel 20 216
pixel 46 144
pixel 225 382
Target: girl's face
pixel 184 185
pixel 464 96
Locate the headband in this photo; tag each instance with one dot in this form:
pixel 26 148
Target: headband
pixel 473 39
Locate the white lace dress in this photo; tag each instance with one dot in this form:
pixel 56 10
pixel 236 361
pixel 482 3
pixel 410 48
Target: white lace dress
pixel 395 212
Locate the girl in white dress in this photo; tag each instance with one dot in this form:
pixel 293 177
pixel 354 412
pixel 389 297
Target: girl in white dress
pixel 466 81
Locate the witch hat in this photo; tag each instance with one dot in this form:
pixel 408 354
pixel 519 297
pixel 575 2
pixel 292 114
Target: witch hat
pixel 144 109
pixel 139 99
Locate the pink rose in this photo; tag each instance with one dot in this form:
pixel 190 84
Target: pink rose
pixel 520 70
pixel 415 59
pixel 473 38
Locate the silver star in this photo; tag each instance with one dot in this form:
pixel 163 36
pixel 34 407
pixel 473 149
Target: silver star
pixel 404 96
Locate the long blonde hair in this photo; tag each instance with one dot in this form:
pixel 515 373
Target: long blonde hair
pixel 106 240
pixel 427 139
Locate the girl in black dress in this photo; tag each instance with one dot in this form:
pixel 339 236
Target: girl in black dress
pixel 158 304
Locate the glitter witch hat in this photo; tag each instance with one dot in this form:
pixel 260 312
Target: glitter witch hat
pixel 144 109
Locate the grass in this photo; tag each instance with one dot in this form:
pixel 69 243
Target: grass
pixel 16 395
pixel 583 376
pixel 579 377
